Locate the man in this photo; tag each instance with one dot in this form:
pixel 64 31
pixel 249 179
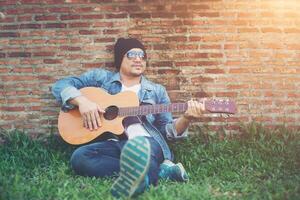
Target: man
pixel 142 156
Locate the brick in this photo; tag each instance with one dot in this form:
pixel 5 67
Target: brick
pixel 161 63
pixel 9 34
pixel 53 61
pixel 6 19
pixel 46 77
pixel 104 40
pixel 239 71
pixel 187 46
pixel 196 7
pixel 83 9
pixel 60 10
pixel 34 10
pixel 214 71
pixel 94 16
pixel 116 16
pixel 33 2
pixel 88 32
pixel 20 70
pixel 248 30
pixel 70 48
pixel 176 39
pixel 207 14
pixel 291 30
pixel 112 31
pixel 6 3
pixel 216 46
pixel 195 38
pixel 79 25
pixel 18 78
pixel 30 26
pixel 230 46
pixel 12 108
pixel 69 17
pixel 43 54
pixel 184 15
pixel 103 24
pixel 46 18
pixel 201 79
pixel 237 86
pixel 55 25
pixel 246 14
pixel 57 41
pixel 24 18
pixel 129 8
pixel 93 65
pixel 19 54
pixel 163 15
pixel 197 55
pixel 168 71
pixel 271 30
pixel 227 94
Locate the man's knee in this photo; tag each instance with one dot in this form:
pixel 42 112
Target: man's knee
pixel 78 159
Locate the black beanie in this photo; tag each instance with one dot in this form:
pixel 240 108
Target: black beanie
pixel 122 46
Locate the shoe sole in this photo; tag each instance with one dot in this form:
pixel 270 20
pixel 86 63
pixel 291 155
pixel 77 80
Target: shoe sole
pixel 134 164
pixel 183 174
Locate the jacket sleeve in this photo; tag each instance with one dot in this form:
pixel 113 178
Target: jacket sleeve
pixel 68 88
pixel 164 121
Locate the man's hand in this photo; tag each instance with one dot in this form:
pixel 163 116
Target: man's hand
pixel 195 109
pixel 89 111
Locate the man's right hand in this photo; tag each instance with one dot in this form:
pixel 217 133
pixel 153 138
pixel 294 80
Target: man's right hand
pixel 89 111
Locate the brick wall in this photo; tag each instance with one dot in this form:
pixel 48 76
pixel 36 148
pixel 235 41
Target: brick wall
pixel 246 50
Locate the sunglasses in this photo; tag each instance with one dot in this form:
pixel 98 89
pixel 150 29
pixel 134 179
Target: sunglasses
pixel 131 55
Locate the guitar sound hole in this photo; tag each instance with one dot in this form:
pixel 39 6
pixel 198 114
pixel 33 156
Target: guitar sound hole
pixel 111 112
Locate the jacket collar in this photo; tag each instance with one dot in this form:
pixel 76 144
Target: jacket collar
pixel 145 83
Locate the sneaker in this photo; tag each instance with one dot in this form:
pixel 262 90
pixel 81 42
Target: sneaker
pixel 173 172
pixel 134 164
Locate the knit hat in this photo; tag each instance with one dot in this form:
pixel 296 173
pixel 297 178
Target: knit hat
pixel 122 46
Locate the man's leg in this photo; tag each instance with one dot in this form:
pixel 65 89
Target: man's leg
pixel 99 159
pixel 139 167
pixel 156 159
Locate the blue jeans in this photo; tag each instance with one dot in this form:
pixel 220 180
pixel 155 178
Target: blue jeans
pixel 102 159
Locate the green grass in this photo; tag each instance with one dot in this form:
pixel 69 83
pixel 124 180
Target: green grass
pixel 259 164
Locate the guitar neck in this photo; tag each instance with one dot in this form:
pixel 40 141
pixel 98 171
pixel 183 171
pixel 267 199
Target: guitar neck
pixel 152 109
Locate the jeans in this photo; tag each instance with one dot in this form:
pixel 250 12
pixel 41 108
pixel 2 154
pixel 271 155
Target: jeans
pixel 102 159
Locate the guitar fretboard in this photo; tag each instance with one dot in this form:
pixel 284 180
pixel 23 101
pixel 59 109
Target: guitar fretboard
pixel 152 109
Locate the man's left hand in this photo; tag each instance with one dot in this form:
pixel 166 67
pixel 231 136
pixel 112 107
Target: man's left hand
pixel 195 109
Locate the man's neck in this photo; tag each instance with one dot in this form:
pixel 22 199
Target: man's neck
pixel 130 81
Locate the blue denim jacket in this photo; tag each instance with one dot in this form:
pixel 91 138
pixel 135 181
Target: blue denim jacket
pixel 160 126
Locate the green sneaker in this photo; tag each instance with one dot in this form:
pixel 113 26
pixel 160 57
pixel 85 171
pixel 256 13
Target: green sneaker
pixel 134 164
pixel 173 172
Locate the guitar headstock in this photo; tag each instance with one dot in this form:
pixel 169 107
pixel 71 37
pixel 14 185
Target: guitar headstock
pixel 220 106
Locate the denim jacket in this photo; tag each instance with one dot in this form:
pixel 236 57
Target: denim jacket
pixel 160 126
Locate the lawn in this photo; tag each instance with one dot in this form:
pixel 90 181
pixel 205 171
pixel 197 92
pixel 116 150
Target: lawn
pixel 258 164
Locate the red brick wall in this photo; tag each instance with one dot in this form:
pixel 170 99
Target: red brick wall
pixel 241 49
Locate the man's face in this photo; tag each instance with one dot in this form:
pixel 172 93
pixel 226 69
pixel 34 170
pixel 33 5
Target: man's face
pixel 133 63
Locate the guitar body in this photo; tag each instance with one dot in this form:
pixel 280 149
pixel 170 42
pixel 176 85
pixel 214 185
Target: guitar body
pixel 70 123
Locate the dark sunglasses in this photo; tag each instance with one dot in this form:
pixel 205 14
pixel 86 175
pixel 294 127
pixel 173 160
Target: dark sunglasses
pixel 134 54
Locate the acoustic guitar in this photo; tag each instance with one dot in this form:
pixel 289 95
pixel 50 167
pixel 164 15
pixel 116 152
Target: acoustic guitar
pixel 117 107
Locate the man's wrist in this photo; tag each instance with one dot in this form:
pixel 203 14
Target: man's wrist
pixel 77 100
pixel 187 118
